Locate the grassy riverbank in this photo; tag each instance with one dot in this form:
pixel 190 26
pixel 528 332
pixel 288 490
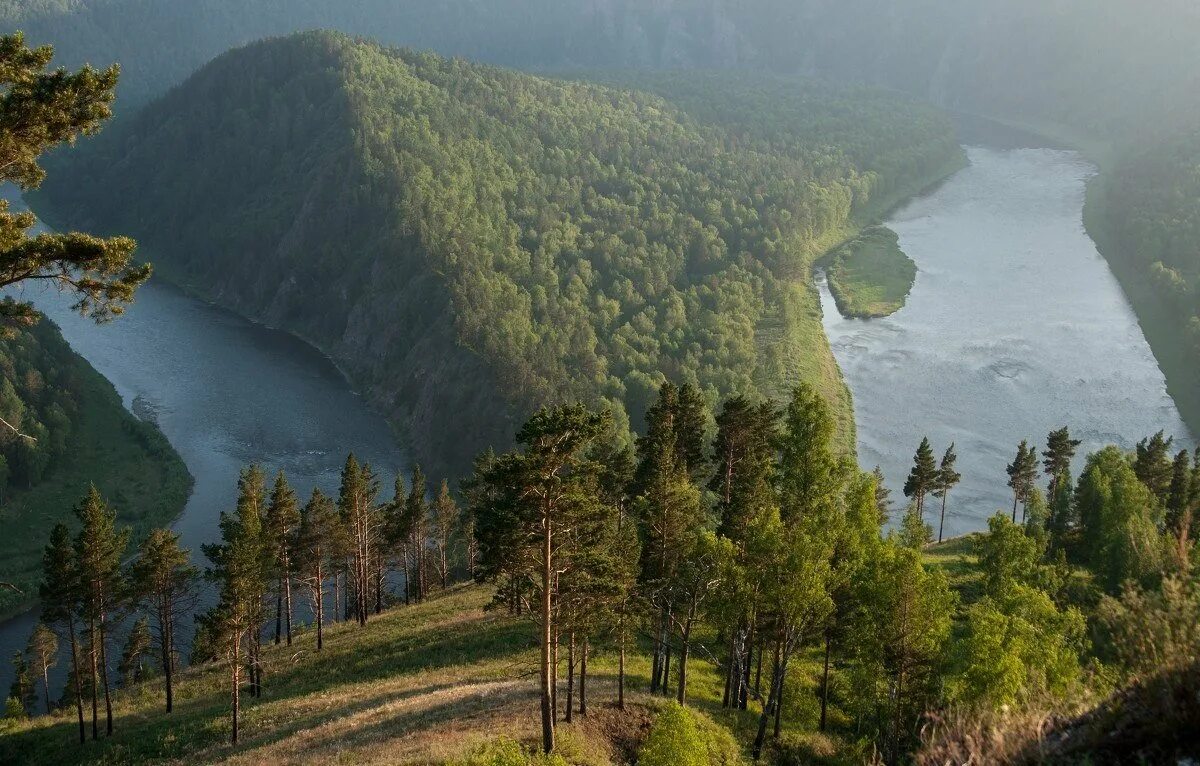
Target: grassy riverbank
pixel 870 276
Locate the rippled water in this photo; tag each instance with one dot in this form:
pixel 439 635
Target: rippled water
pixel 1015 326
pixel 225 392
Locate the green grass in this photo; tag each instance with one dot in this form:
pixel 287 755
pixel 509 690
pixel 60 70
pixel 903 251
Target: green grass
pixel 128 460
pixel 870 276
pixel 957 558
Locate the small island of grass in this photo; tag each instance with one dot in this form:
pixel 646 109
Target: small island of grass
pixel 870 276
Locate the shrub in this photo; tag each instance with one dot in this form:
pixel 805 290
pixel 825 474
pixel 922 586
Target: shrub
pixel 508 752
pixel 674 740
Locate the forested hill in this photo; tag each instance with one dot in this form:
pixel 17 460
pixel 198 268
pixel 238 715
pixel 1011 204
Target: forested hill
pixel 1084 63
pixel 467 242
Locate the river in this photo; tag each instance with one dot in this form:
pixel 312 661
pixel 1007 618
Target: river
pixel 1015 326
pixel 226 393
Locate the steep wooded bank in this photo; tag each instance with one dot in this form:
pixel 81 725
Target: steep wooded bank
pixel 76 432
pixel 1147 221
pixel 467 242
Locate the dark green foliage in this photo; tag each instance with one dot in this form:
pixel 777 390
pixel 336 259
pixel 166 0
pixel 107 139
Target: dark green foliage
pixel 1152 464
pixel 22 689
pixel 164 582
pixel 811 472
pixel 134 666
pixel 492 223
pixel 923 477
pixel 1022 475
pixel 38 111
pixel 947 479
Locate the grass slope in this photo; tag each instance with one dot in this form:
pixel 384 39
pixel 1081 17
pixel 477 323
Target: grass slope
pixel 128 460
pixel 422 684
pixel 870 276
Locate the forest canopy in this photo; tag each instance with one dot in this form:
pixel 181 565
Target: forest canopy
pixel 445 229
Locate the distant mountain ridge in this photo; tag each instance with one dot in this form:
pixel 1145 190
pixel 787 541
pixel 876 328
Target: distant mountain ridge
pixel 1083 63
pixel 469 242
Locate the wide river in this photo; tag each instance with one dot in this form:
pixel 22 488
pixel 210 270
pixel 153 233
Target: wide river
pixel 1015 327
pixel 226 393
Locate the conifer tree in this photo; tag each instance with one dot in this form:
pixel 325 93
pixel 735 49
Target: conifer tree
pixel 1060 450
pixel 239 571
pixel 279 525
pixel 416 512
pixel 811 476
pixel 947 479
pixel 42 653
pixel 1022 474
pixel 883 496
pixel 165 581
pixel 1179 496
pixel 534 495
pixel 132 666
pixel 22 689
pixel 445 516
pixel 690 424
pixel 312 549
pixel 61 593
pixel 38 111
pixel 99 547
pixel 1152 465
pixel 922 479
pixel 744 462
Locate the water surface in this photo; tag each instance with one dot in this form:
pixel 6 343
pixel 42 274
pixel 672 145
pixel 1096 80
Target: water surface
pixel 225 392
pixel 1015 327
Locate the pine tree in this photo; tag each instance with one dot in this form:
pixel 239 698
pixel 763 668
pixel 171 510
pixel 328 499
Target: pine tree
pixel 360 517
pixel 239 571
pixel 134 656
pixel 164 580
pixel 61 593
pixel 914 533
pixel 279 525
pixel 445 516
pixel 99 547
pixel 1179 496
pixel 1152 465
pixel 42 653
pixel 1060 450
pixel 883 496
pixel 38 111
pixel 416 512
pixel 1022 474
pixel 533 496
pixel 744 459
pixel 22 689
pixel 947 479
pixel 690 425
pixel 811 476
pixel 923 477
pixel 312 549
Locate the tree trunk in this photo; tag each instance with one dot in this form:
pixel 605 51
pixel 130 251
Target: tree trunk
pixel 684 650
pixel 46 682
pixel 407 574
pixel 167 650
pixel 768 710
pixel 108 715
pixel 942 523
pixel 236 673
pixel 378 584
pixel 78 680
pixel 570 676
pixel 583 679
pixel 758 672
pixel 825 681
pixel 336 593
pixel 95 681
pixel 554 672
pixel 319 599
pixel 279 611
pixel 1014 513
pixel 621 672
pixel 547 636
pixel 287 599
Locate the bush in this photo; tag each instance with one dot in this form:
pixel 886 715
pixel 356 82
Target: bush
pixel 680 737
pixel 508 752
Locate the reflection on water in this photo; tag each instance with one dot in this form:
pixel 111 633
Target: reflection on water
pixel 1015 326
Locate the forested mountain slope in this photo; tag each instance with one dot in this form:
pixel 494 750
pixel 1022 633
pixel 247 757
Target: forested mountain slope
pixel 76 432
pixel 467 242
